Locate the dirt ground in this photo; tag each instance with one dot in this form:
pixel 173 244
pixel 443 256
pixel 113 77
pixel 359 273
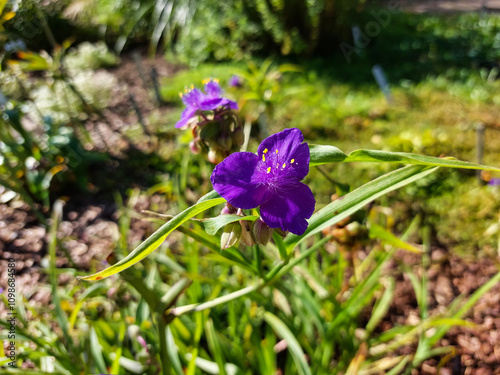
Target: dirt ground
pixel 90 230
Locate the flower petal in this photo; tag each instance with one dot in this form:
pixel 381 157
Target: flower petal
pixel 213 89
pixel 193 98
pixel 285 151
pixel 187 114
pixel 288 207
pixel 210 105
pixel 237 181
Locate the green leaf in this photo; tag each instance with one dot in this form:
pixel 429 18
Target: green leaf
pixel 155 240
pixel 62 319
pixel 353 201
pixel 96 350
pixel 173 353
pixel 323 154
pixel 210 195
pixel 214 224
pixel 376 231
pixel 407 158
pixel 213 344
pixel 293 345
pixel 382 306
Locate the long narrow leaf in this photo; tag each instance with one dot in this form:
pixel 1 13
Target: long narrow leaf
pixel 324 154
pixel 350 203
pixel 155 240
pixel 60 314
pixel 293 345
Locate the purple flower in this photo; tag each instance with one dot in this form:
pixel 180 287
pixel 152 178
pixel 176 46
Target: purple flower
pixel 197 101
pixel 494 182
pixel 235 81
pixel 271 180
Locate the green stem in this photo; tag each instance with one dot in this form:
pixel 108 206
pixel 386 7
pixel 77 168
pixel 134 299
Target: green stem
pixel 257 256
pixel 178 311
pixel 165 360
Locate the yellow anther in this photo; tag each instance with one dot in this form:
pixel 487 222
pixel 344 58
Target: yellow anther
pixel 186 90
pixel 216 80
pixel 292 161
pixel 192 87
pixel 263 157
pixel 268 169
pixel 284 165
pixel 180 94
pixel 265 151
pixel 276 150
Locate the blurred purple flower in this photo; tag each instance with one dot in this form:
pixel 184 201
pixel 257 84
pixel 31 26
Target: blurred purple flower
pixel 235 81
pixel 494 182
pixel 197 101
pixel 271 180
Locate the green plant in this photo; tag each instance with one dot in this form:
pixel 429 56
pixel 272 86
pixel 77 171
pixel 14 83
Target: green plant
pixel 30 165
pixel 270 266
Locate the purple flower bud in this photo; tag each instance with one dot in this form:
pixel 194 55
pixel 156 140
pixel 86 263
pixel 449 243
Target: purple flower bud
pixel 261 231
pixel 229 210
pixel 215 156
pixel 195 147
pixel 238 136
pixel 225 142
pixel 235 81
pixel 246 233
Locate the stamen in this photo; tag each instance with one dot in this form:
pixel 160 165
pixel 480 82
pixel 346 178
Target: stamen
pixel 192 87
pixel 265 151
pixel 180 94
pixel 284 165
pixel 268 169
pixel 276 150
pixel 263 157
pixel 292 160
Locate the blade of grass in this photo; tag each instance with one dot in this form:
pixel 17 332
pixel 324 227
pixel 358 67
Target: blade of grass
pixel 292 344
pixel 60 314
pixel 96 350
pixel 214 345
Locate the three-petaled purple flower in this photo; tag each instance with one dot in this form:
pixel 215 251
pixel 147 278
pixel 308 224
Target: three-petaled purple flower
pixel 196 101
pixel 271 180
